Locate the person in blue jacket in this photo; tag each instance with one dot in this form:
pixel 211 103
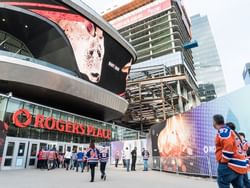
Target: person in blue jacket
pixel 93 158
pixel 80 156
pixel 104 156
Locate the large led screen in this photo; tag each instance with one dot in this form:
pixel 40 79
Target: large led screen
pixel 100 59
pixel 186 142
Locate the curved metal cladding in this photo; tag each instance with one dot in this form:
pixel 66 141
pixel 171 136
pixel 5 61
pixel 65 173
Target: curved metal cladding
pixel 74 52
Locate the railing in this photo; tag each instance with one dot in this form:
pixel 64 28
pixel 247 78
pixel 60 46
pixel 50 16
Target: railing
pixel 38 62
pixel 188 165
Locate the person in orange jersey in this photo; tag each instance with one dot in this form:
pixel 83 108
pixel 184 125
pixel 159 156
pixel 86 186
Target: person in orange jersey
pixel 245 147
pixel 232 162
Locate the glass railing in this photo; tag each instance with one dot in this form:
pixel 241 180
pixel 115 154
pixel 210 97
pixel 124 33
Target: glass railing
pixel 38 62
pixel 188 165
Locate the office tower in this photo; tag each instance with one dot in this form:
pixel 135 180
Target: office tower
pixel 206 59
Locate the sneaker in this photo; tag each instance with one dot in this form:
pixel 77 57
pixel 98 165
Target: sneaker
pixel 104 178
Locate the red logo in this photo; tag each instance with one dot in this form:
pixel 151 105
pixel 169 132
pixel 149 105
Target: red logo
pixel 22 119
pixel 25 113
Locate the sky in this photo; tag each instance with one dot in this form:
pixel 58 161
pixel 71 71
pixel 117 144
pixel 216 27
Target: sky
pixel 230 24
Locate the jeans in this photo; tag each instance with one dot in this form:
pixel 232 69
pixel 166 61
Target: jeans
pixel 246 181
pixel 73 164
pixel 128 164
pixel 226 176
pixel 102 168
pixel 50 164
pixel 145 162
pixel 79 163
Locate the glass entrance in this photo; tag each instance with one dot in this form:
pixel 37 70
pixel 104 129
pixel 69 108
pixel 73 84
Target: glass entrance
pixel 32 154
pixel 15 153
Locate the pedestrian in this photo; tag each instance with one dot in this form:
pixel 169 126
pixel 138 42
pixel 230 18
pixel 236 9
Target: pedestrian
pixel 85 160
pixel 134 157
pixel 104 156
pixel 51 159
pixel 56 162
pixel 127 158
pixel 123 159
pixel 73 161
pixel 93 157
pixel 40 159
pixel 44 159
pixel 232 165
pixel 117 158
pixel 145 156
pixel 61 160
pixel 245 148
pixel 80 156
pixel 67 158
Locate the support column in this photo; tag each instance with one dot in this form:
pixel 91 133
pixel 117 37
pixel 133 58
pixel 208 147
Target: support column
pixel 141 123
pixel 180 102
pixel 163 101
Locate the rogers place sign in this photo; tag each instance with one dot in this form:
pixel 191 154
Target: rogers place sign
pixel 60 125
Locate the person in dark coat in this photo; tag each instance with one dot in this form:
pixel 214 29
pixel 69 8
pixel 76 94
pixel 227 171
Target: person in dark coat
pixel 134 157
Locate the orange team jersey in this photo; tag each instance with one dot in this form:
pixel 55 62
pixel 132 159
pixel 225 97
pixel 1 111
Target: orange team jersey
pixel 245 147
pixel 229 150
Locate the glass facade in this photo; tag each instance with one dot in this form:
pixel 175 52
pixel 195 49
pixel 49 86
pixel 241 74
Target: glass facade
pixel 206 59
pixel 9 105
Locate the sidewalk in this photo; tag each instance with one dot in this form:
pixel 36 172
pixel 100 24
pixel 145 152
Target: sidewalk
pixel 117 178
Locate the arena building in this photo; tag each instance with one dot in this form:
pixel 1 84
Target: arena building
pixel 63 74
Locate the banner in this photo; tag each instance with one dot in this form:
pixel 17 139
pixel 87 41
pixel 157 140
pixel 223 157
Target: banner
pixel 186 142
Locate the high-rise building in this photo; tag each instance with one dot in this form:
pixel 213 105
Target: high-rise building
pixel 206 59
pixel 246 73
pixel 207 92
pixel 162 82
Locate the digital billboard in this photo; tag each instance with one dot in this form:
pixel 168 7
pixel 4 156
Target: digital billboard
pixel 100 59
pixel 186 142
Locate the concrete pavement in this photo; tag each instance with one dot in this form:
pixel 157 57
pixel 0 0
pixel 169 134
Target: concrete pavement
pixel 117 178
